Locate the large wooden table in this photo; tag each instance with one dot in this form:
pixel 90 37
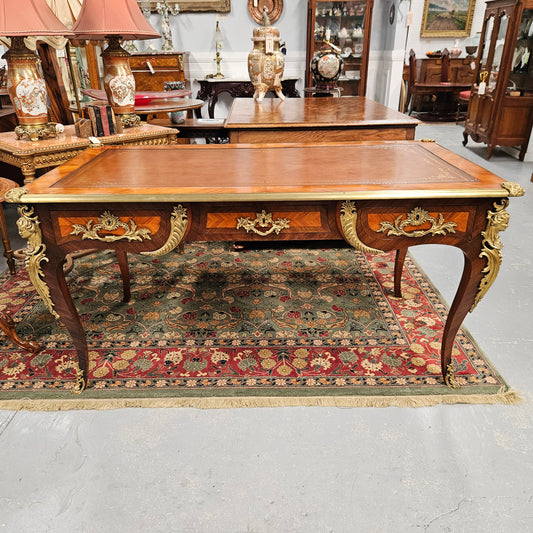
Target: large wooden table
pixel 376 196
pixel 31 156
pixel 348 118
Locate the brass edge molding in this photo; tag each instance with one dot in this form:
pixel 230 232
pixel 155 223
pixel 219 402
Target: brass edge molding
pixel 417 217
pixel 13 196
pixel 178 226
pixel 29 229
pixel 263 220
pixel 514 189
pixel 491 245
pixel 263 197
pixel 109 222
pixel 348 219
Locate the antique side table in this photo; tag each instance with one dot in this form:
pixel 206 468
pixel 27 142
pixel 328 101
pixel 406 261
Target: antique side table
pixel 30 156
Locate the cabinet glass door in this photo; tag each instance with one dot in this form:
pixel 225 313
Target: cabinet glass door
pixel 498 50
pixel 343 25
pixel 521 76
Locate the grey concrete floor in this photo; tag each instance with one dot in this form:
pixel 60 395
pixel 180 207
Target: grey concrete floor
pixel 459 468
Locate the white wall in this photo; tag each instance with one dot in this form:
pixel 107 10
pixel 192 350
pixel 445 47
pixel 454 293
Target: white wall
pixel 194 32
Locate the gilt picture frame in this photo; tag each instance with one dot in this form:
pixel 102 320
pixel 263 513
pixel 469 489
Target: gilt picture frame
pixel 217 6
pixel 442 18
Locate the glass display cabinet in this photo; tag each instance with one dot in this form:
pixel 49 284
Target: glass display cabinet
pixel 500 110
pixel 345 24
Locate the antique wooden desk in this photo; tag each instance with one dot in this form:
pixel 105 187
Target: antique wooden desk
pixel 349 118
pixel 378 196
pixel 212 88
pixel 30 156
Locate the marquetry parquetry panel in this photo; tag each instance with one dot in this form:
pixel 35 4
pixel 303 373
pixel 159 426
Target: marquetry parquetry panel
pixel 458 219
pixel 146 226
pixel 295 222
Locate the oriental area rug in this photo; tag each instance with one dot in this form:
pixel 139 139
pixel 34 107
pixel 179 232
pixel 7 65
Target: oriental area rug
pixel 214 327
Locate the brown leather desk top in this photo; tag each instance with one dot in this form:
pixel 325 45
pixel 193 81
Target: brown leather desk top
pixel 328 171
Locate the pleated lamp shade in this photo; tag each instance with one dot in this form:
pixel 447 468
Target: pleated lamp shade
pixel 100 18
pixel 31 17
pixel 115 20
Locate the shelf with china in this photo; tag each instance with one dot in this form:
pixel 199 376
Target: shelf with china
pixel 346 25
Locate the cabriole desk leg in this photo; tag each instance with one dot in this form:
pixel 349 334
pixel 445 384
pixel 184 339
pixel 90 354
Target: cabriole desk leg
pixel 63 306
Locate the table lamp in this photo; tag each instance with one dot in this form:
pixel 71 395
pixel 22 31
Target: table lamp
pixel 219 41
pixel 25 84
pixel 115 20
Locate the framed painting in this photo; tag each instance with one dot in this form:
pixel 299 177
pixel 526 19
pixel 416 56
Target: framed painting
pixel 219 6
pixel 445 18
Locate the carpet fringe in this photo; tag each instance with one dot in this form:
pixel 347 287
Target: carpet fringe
pixel 509 397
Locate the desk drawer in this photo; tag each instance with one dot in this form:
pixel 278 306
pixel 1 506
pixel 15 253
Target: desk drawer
pixel 158 61
pixel 264 221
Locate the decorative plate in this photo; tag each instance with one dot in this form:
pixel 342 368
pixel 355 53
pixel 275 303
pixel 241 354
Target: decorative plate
pixel 274 9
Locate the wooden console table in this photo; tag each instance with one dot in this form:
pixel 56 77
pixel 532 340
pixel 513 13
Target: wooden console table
pixel 30 156
pixel 348 118
pixel 378 196
pixel 212 88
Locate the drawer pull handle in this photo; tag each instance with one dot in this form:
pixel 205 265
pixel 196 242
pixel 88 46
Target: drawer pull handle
pixel 150 68
pixel 263 220
pixel 417 217
pixel 107 222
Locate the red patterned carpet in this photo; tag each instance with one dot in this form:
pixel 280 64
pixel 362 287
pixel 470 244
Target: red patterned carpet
pixel 215 327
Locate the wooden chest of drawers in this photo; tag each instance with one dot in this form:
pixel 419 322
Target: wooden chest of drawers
pixel 152 70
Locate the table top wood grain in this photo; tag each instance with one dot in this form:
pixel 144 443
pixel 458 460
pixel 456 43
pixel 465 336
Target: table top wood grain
pixel 345 111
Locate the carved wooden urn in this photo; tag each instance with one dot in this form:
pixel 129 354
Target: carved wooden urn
pixel 266 62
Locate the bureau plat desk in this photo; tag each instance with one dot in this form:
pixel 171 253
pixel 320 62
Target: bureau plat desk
pixel 377 196
pixel 348 118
